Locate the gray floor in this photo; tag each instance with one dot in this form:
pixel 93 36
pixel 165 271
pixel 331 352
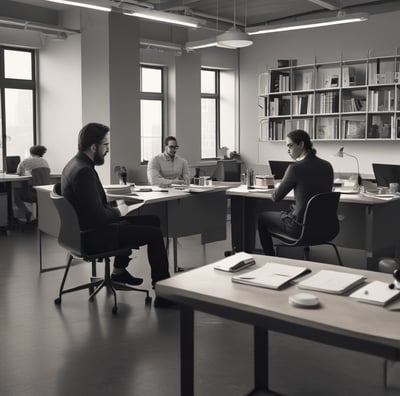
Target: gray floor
pixel 82 349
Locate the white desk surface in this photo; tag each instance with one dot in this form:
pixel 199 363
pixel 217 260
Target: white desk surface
pixel 5 177
pixel 151 196
pixel 339 314
pixel 350 198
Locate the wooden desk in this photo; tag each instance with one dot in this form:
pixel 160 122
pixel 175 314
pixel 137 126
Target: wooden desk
pixel 366 223
pixel 181 214
pixel 340 322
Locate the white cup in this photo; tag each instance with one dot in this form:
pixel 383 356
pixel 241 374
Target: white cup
pixel 393 188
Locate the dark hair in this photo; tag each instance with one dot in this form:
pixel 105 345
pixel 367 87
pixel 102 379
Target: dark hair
pixel 38 150
pixel 298 135
pixel 92 133
pixel 168 138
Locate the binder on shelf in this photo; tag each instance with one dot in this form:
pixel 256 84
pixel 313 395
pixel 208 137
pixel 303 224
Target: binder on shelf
pixel 271 275
pixel 333 282
pixel 376 292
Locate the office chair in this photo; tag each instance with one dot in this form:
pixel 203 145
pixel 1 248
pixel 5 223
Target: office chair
pixel 320 225
pixel 72 239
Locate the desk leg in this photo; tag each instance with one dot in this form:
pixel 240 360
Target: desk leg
pixel 261 363
pixel 187 351
pixel 10 214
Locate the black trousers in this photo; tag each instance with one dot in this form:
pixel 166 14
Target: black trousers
pixel 135 231
pixel 275 221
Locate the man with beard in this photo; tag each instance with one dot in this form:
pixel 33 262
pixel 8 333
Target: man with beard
pixel 81 186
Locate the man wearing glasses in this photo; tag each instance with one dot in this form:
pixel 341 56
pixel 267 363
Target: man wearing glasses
pixel 168 168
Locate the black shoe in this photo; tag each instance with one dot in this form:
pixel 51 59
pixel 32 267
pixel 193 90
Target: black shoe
pixel 127 278
pixel 160 302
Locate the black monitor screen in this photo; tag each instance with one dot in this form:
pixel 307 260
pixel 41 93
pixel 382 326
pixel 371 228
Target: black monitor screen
pixel 12 163
pixel 278 168
pixel 386 174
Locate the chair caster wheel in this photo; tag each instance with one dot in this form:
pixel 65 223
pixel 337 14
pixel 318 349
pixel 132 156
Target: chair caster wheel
pixel 114 310
pixel 148 300
pixel 57 301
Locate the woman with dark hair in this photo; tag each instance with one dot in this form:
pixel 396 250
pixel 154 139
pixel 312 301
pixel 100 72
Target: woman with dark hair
pixel 308 175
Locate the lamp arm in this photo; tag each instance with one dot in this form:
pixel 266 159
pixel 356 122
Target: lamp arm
pixel 358 167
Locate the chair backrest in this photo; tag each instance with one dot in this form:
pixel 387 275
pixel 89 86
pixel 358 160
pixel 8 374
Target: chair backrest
pixel 12 162
pixel 40 176
pixel 69 236
pixel 320 220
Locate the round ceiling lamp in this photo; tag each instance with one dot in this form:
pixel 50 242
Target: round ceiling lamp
pixel 234 38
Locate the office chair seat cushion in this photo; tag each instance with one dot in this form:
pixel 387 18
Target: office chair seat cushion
pixel 284 237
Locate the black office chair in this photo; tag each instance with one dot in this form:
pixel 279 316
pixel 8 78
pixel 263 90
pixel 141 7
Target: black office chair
pixel 72 239
pixel 320 225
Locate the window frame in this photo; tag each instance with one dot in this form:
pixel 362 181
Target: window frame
pixel 156 96
pixel 217 97
pixel 11 83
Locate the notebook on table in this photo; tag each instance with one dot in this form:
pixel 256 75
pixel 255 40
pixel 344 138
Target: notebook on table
pixel 334 282
pixel 376 292
pixel 271 275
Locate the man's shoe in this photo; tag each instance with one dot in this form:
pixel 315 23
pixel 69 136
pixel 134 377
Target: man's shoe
pixel 160 302
pixel 127 278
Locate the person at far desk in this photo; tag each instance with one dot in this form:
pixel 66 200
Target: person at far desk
pixel 307 176
pixel 25 167
pixel 168 168
pixel 81 186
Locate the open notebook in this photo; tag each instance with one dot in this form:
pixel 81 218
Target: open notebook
pixel 271 275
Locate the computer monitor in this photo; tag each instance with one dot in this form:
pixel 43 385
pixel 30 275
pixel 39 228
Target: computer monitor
pixel 386 174
pixel 12 162
pixel 278 168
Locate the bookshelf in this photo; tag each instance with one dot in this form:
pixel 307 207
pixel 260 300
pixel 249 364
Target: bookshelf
pixel 356 99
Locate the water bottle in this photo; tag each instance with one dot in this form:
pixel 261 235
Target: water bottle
pixel 250 178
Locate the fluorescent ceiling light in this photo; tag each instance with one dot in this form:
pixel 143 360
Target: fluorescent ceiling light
pixel 83 5
pixel 160 44
pixel 161 16
pixel 308 24
pixel 234 38
pixel 193 45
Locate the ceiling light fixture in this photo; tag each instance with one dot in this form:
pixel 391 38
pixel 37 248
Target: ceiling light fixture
pixel 161 16
pixel 199 44
pixel 83 5
pixel 338 20
pixel 234 37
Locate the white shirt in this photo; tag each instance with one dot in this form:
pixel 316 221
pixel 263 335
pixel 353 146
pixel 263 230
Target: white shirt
pixel 164 170
pixel 25 167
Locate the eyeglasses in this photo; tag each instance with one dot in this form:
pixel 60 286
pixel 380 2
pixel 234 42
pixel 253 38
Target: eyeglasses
pixel 173 147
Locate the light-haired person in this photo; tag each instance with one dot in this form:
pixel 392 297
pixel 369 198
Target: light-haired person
pixel 168 168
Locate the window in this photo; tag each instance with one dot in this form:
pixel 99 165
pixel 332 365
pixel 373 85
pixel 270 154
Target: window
pixel 151 111
pixel 209 113
pixel 17 102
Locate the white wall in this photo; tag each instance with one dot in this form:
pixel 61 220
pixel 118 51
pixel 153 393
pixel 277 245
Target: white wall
pixel 380 32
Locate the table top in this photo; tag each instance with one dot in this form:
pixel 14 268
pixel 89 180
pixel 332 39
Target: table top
pixel 5 177
pixel 359 198
pixel 338 314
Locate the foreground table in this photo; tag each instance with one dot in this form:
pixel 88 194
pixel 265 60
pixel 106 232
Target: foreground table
pixel 341 321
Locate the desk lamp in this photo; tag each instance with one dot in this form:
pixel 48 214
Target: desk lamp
pixel 341 153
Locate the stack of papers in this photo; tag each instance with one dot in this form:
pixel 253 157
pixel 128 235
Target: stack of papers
pixel 334 282
pixel 271 275
pixel 376 292
pixel 235 263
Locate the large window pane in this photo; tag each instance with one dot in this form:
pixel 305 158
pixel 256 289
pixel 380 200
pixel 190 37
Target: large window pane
pixel 208 81
pixel 19 121
pixel 151 128
pixel 151 80
pixel 208 125
pixel 18 64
